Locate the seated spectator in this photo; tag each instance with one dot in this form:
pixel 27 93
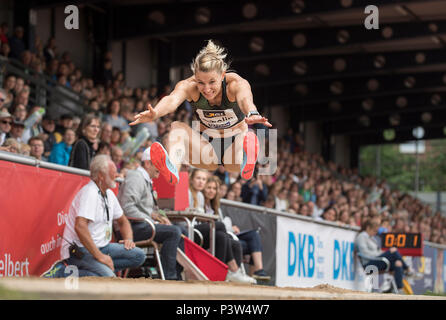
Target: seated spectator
pixel 36 144
pixel 281 200
pixel 61 151
pixel 344 217
pixel 25 149
pixel 65 122
pixel 117 157
pixel 230 195
pixel 16 42
pixel 116 136
pixel 22 98
pixel 89 226
pixel 11 145
pixel 106 133
pixel 226 250
pixel 5 124
pixel 249 239
pixel 8 86
pixel 104 148
pixel 161 130
pixel 47 133
pixel 26 58
pixel 254 191
pixel 330 214
pixel 4 32
pixel 305 191
pixel 19 112
pixel 222 174
pixel 137 200
pixel 50 50
pixel 83 150
pixel 270 202
pixel 223 190
pixel 113 117
pixel 52 67
pixel 76 123
pixel 107 73
pixel 236 188
pixel 368 247
pixel 153 95
pixel 17 129
pixel 5 50
pixel 304 210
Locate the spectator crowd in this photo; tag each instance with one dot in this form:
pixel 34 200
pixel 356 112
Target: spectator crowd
pixel 303 184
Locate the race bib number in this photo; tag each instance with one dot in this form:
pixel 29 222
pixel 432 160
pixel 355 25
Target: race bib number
pixel 217 119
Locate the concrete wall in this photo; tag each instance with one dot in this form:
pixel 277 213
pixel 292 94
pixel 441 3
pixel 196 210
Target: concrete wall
pixel 139 53
pixel 278 116
pixel 73 41
pixel 138 66
pixel 116 49
pixel 43 26
pixel 6 14
pixel 342 150
pixel 313 137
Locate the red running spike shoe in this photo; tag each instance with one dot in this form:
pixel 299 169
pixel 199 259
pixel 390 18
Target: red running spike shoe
pixel 250 153
pixel 160 159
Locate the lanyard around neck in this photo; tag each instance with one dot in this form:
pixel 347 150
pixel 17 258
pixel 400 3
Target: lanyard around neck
pixel 104 198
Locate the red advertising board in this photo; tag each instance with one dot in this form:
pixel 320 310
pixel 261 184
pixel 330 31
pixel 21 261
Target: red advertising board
pixel 34 203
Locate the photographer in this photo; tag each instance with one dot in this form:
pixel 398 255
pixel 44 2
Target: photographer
pixel 88 230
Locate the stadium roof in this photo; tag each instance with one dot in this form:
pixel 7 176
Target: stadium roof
pixel 316 58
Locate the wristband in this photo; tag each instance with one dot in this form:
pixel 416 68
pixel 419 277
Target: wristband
pixel 253 113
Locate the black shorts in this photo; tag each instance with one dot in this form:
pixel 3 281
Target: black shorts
pixel 219 144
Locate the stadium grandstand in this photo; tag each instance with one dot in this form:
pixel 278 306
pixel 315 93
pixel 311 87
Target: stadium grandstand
pixel 328 84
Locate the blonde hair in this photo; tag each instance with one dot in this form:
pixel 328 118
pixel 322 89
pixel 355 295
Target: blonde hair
pixel 210 58
pixel 191 186
pixel 214 203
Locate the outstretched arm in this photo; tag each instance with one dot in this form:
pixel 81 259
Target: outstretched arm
pixel 166 105
pixel 244 99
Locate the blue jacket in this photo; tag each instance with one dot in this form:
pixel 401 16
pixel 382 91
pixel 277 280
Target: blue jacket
pixel 60 153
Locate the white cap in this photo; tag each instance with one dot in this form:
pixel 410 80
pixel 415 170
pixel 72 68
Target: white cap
pixel 146 155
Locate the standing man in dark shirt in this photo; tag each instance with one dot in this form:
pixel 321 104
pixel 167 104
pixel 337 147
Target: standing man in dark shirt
pixel 16 43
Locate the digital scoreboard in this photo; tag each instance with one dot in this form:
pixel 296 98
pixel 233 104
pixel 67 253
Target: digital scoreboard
pixel 408 244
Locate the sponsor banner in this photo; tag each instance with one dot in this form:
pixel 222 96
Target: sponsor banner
pixel 439 271
pixel 34 203
pixel 247 219
pixel 426 266
pixel 308 254
pixel 444 270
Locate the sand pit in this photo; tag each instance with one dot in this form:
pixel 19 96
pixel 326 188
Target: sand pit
pixel 118 288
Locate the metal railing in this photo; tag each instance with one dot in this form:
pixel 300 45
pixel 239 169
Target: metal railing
pixel 265 210
pixel 31 161
pixel 45 91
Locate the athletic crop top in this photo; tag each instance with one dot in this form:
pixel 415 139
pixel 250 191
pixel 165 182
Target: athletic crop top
pixel 227 115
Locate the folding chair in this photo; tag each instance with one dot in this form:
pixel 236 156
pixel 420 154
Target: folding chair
pixel 388 275
pixel 151 248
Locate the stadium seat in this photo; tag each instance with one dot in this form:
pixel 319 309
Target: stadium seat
pixel 152 266
pixel 389 284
